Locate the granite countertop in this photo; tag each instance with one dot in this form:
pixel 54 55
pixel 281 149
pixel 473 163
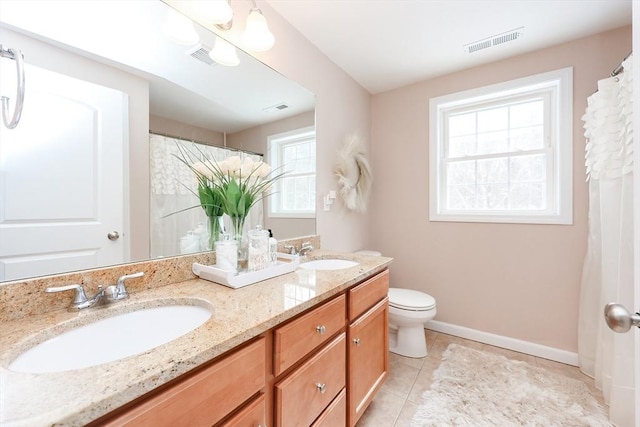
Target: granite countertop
pixel 74 398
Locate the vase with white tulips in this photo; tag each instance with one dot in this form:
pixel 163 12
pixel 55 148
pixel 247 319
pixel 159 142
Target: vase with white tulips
pixel 231 186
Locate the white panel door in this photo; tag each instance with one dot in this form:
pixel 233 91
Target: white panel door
pixel 61 176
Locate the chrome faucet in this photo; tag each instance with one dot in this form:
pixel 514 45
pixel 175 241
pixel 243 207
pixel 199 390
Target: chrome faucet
pixel 80 300
pixel 304 249
pixel 113 293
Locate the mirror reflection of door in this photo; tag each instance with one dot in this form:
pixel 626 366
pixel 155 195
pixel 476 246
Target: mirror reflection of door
pixel 55 216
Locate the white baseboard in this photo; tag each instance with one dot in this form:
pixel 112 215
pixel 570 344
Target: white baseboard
pixel 514 344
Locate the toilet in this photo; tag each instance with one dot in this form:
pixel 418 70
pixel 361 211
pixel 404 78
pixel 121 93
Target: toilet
pixel 409 310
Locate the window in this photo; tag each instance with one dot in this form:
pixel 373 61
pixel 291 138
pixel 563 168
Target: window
pixel 503 153
pixel 295 194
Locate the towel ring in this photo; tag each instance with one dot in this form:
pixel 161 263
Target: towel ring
pixel 16 55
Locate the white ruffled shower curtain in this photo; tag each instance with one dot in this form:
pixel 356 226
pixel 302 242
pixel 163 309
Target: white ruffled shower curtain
pixel 171 234
pixel 607 277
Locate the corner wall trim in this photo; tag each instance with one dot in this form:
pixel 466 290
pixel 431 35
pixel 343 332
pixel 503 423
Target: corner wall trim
pixel 514 344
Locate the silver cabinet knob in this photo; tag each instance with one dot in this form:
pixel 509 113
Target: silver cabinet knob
pixel 321 329
pixel 356 341
pixel 619 319
pixel 114 235
pixel 321 387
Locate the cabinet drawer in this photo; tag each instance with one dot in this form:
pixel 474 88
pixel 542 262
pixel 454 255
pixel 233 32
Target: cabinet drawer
pixel 336 414
pixel 367 294
pixel 207 396
pixel 308 390
pixel 297 338
pixel 253 415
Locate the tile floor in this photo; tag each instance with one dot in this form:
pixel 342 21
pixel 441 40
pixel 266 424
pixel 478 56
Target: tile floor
pixel 399 397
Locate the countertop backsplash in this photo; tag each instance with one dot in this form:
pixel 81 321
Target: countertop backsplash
pixel 27 297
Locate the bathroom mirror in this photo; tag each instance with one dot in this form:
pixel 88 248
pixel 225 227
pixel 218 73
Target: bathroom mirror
pixel 120 52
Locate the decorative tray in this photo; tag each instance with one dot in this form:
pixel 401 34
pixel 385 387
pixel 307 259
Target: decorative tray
pixel 285 264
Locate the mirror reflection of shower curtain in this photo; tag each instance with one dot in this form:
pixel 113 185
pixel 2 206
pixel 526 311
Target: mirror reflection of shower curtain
pixel 607 277
pixel 169 194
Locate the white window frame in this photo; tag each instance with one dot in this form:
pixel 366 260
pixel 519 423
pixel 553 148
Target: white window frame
pixel 275 143
pixel 558 86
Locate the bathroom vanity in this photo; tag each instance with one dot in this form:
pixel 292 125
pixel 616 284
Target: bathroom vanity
pixel 306 348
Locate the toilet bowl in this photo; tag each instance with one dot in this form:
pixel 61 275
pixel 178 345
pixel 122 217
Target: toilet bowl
pixel 409 310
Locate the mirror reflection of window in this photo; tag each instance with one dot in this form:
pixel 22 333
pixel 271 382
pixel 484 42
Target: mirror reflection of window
pixel 294 152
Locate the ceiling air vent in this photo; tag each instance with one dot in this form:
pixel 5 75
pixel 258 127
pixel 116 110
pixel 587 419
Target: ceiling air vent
pixel 201 53
pixel 494 40
pixel 278 107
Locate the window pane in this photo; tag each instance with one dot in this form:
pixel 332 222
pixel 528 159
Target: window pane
pixel 492 196
pixel 461 146
pixel 459 173
pixel 528 138
pixel 493 142
pixel 461 197
pixel 527 168
pixel 493 119
pixel 527 114
pixel 493 171
pixel 528 196
pixel 462 124
pixel 303 150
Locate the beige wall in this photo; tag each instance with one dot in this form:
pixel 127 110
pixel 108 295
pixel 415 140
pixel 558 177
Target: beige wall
pixel 164 126
pixel 342 106
pixel 519 281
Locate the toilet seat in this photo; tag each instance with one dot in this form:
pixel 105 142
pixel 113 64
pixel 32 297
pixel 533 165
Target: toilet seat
pixel 409 299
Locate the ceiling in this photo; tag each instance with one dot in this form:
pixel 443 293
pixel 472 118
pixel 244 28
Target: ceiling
pixel 386 44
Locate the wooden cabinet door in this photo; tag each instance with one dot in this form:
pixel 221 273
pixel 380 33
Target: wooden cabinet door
pixel 368 356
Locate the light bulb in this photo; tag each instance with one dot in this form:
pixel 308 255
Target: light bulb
pixel 257 36
pixel 224 53
pixel 215 11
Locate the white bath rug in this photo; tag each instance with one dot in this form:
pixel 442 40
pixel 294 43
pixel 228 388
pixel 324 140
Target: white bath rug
pixel 476 388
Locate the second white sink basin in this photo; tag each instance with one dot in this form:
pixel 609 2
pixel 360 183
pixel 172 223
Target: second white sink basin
pixel 111 339
pixel 328 264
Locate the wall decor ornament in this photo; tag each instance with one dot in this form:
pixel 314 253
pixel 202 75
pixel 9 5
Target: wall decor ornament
pixel 354 173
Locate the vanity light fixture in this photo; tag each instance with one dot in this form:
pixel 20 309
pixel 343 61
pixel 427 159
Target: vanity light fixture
pixel 216 12
pixel 257 36
pixel 180 28
pixel 224 53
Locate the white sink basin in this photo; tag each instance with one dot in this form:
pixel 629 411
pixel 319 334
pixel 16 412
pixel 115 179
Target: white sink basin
pixel 111 339
pixel 328 264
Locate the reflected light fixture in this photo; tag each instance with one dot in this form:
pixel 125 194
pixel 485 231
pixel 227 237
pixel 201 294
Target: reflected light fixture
pixel 224 53
pixel 180 28
pixel 257 36
pixel 216 12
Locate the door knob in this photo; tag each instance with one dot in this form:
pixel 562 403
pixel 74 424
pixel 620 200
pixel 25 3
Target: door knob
pixel 114 235
pixel 619 319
